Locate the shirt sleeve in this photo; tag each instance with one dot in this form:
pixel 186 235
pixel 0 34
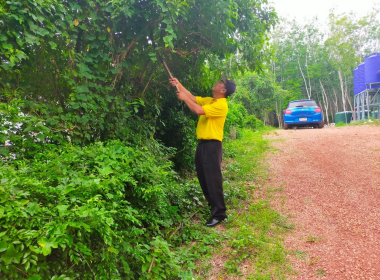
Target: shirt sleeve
pixel 203 100
pixel 216 109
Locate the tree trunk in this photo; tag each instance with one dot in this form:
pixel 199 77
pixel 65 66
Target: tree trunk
pixel 346 90
pixel 325 102
pixel 279 115
pixel 304 79
pixel 342 88
pixel 307 72
pixel 335 101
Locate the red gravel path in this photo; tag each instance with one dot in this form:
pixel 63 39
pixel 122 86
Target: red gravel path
pixel 331 185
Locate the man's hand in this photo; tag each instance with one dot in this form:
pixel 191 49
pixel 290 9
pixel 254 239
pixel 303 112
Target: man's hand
pixel 182 89
pixel 174 82
pixel 182 95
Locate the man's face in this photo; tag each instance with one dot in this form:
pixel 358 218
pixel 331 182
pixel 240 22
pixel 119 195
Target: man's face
pixel 219 87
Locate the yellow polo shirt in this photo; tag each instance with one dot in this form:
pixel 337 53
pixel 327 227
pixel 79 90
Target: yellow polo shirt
pixel 210 126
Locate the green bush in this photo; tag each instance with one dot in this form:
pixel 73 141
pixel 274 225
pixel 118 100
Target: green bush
pixel 102 210
pixel 252 122
pixel 235 118
pixel 176 129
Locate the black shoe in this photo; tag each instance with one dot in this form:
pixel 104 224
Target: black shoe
pixel 214 221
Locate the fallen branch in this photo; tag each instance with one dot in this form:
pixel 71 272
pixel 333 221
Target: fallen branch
pixel 151 265
pixel 181 225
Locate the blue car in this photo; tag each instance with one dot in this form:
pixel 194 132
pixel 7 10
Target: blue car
pixel 303 113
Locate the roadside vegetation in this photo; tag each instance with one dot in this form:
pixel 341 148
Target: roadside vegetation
pixel 369 121
pixel 113 210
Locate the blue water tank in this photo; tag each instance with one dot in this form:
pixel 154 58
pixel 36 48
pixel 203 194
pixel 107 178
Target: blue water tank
pixel 372 68
pixel 356 81
pixel 361 77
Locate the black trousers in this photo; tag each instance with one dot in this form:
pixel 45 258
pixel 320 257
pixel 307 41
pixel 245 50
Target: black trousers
pixel 208 160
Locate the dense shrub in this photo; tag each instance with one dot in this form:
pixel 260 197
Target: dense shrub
pixel 235 118
pixel 238 118
pixel 252 122
pixel 97 211
pixel 176 129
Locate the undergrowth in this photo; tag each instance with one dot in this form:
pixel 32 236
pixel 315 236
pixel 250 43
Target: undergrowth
pixel 114 211
pixel 369 121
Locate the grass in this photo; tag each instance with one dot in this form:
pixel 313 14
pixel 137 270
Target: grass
pixel 313 239
pixel 320 272
pixel 299 254
pixel 250 242
pixel 370 121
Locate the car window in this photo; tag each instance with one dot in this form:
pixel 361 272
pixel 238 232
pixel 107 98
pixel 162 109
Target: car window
pixel 301 104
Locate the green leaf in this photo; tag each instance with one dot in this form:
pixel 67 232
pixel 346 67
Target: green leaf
pixel 62 209
pixel 22 202
pixel 88 75
pixel 113 250
pixel 115 71
pixel 82 97
pixel 83 67
pixel 167 21
pixel 83 88
pixel 53 45
pixel 34 277
pixel 3 137
pixel 1 212
pixel 145 266
pixel 75 105
pixel 47 245
pixel 3 197
pixel 90 37
pixel 3 246
pixel 30 39
pixel 4 151
pixel 5 66
pixel 32 208
pixel 11 255
pixel 3 37
pixel 7 46
pixel 20 55
pixel 109 221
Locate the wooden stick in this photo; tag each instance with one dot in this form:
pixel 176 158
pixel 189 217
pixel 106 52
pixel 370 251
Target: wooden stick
pixel 151 265
pixel 181 225
pixel 174 232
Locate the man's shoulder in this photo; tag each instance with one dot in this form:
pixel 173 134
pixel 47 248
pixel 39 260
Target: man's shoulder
pixel 203 100
pixel 222 102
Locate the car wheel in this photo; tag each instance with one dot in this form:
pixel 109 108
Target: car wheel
pixel 321 125
pixel 286 126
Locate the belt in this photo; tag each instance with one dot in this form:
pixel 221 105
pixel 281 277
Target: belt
pixel 200 141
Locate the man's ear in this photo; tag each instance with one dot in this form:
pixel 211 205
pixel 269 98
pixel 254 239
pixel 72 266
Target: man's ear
pixel 223 91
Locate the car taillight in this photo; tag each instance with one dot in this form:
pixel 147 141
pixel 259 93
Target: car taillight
pixel 317 110
pixel 288 112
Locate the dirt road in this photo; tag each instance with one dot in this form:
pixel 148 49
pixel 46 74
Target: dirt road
pixel 330 180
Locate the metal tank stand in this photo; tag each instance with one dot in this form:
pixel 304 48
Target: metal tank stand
pixel 365 101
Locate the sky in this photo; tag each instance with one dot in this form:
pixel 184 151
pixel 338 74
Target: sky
pixel 303 10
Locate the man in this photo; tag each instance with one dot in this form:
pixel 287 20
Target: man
pixel 208 156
